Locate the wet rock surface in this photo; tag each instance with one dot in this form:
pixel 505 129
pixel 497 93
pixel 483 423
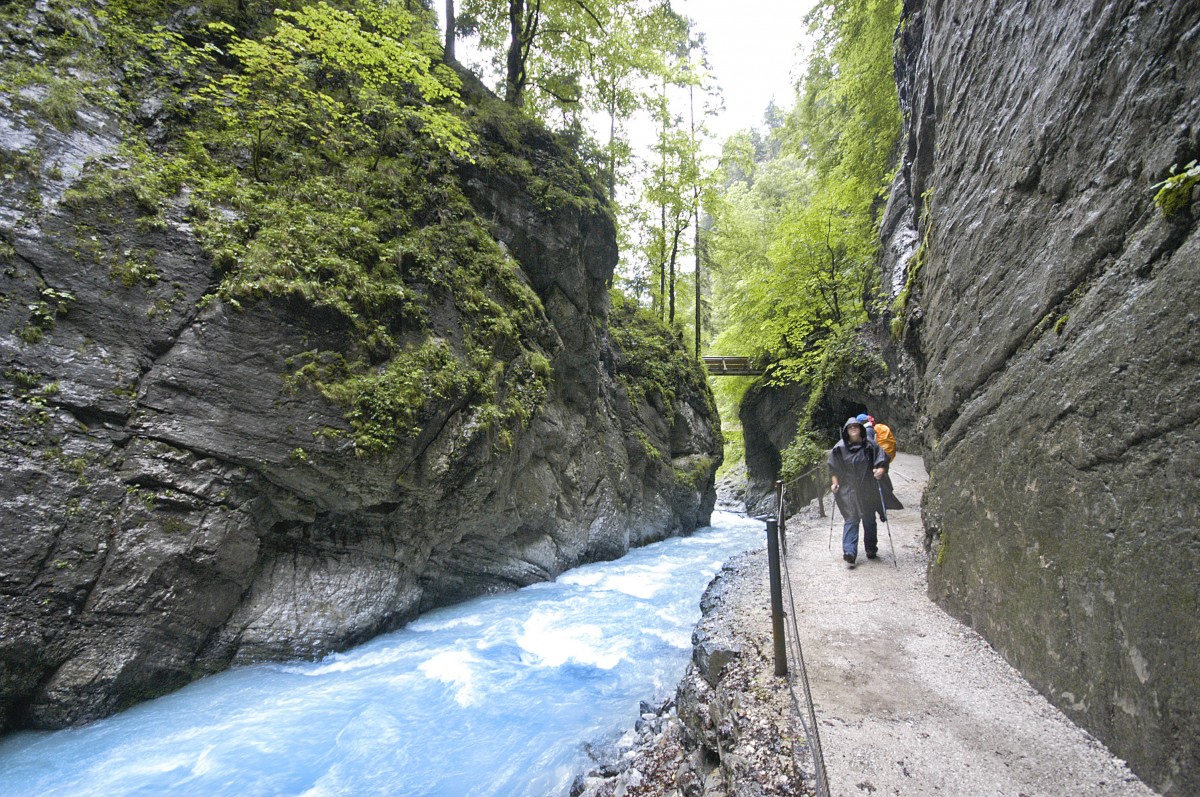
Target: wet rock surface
pixel 172 505
pixel 731 729
pixel 1053 321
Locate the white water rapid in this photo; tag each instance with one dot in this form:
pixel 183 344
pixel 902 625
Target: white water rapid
pixel 496 696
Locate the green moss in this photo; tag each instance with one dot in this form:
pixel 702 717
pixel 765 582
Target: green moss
pixel 697 471
pixel 648 446
pixel 1175 192
pixel 652 363
pixel 349 210
pixel 388 405
pixel 177 526
pixel 61 105
pixel 515 145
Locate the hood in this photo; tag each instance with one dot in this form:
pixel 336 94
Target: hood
pixel 853 422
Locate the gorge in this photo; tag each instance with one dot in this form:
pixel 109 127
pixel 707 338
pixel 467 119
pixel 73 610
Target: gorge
pixel 1039 348
pixel 201 473
pixel 215 460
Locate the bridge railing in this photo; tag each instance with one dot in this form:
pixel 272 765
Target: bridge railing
pixel 731 366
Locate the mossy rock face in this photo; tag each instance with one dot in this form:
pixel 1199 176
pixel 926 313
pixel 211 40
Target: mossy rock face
pixel 254 417
pixel 1058 358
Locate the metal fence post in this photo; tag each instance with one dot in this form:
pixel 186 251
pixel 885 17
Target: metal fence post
pixel 781 667
pixel 780 513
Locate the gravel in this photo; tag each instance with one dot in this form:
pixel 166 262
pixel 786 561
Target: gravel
pixel 908 700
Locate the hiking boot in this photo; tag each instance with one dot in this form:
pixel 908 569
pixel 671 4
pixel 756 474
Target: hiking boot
pixel 872 554
pixel 849 557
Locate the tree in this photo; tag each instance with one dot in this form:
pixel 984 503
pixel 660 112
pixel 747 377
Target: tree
pixel 335 79
pixel 538 41
pixel 795 226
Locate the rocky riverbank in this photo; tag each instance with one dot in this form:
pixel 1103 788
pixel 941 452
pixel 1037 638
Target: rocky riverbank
pixel 731 729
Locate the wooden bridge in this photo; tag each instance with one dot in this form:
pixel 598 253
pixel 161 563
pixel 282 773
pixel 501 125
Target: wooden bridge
pixel 731 366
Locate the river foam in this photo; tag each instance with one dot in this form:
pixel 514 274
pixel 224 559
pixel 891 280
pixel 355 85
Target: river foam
pixel 496 696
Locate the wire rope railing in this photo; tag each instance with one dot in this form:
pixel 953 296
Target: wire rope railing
pixel 787 634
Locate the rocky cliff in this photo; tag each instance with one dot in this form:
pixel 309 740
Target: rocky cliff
pixel 1052 322
pixel 881 384
pixel 179 496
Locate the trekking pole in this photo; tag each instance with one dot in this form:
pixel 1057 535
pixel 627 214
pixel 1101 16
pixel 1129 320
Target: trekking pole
pixel 832 502
pixel 887 523
pixel 829 547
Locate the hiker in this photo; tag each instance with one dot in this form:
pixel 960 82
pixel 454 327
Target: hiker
pixel 881 435
pixel 868 425
pixel 884 437
pixel 855 466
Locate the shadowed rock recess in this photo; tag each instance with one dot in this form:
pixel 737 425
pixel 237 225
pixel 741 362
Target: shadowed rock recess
pixel 1053 320
pixel 171 505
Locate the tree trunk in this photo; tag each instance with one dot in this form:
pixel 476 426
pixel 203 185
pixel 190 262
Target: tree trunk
pixel 679 228
pixel 612 146
pixel 662 208
pixel 696 214
pixel 448 53
pixel 515 79
pixel 662 261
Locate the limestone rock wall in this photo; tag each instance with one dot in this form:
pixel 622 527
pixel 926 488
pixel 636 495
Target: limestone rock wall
pixel 1054 328
pixel 166 509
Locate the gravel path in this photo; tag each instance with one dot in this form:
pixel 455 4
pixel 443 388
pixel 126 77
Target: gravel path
pixel 910 701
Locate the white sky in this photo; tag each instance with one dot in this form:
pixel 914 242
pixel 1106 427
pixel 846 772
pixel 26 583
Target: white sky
pixel 753 48
pixel 752 45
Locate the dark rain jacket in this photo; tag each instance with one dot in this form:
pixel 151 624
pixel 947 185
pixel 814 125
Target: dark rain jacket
pixel 858 494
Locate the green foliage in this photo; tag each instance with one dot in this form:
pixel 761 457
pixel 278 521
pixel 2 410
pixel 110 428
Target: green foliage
pixel 795 226
pixel 842 358
pixel 336 82
pixel 43 314
pixel 652 362
pixel 316 148
pixel 735 444
pixel 806 451
pixel 134 269
pixel 1175 192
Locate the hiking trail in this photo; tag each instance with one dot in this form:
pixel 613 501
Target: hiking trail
pixel 910 701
